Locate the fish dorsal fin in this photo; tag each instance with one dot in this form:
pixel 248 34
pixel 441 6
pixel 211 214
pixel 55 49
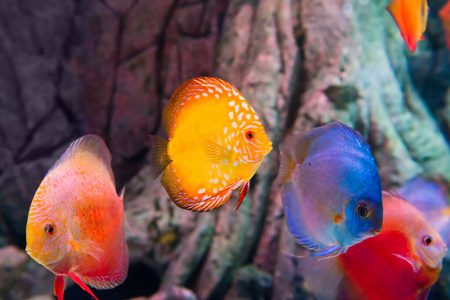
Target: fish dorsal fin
pixel 193 90
pixel 297 148
pixel 92 150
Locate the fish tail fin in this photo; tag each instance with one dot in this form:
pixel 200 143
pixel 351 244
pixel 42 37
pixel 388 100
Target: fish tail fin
pixel 59 286
pixel 243 190
pixel 159 158
pixel 81 284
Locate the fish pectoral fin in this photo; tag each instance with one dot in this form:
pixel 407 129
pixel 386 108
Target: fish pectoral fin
pixel 415 264
pixel 81 284
pixel 88 247
pixel 158 157
pixel 59 286
pixel 217 153
pixel 243 190
pixel 330 251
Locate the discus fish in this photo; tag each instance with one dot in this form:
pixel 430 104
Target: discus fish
pixel 75 222
pixel 430 198
pixel 444 15
pixel 411 18
pixel 216 144
pixel 331 189
pixel 402 262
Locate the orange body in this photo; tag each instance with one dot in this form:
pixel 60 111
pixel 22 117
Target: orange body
pixel 411 18
pixel 216 144
pixel 78 201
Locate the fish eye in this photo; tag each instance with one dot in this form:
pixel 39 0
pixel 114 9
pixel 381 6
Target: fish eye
pixel 363 211
pixel 427 240
pixel 50 229
pixel 250 135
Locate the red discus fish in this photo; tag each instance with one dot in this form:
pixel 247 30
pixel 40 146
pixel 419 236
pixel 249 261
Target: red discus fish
pixel 444 15
pixel 216 144
pixel 402 262
pixel 75 222
pixel 411 18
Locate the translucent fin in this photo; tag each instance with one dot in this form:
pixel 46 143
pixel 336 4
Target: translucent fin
pixel 185 94
pixel 58 288
pixel 89 148
pixel 217 154
pixel 243 190
pixel 81 284
pixel 159 159
pixel 88 247
pixel 320 273
pixel 116 274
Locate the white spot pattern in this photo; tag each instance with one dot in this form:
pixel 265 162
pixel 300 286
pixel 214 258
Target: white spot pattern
pixel 201 191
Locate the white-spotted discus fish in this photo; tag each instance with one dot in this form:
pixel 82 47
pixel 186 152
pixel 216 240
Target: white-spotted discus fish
pixel 331 189
pixel 216 144
pixel 75 222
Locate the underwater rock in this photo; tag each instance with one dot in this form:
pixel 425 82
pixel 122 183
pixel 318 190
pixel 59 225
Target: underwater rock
pixel 250 283
pixel 174 293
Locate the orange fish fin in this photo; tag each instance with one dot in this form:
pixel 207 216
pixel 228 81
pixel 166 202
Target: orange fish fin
pixel 217 153
pixel 88 247
pixel 243 190
pixel 81 284
pixel 338 219
pixel 159 158
pixel 189 92
pixel 116 274
pixel 58 288
pixel 90 148
pixel 210 203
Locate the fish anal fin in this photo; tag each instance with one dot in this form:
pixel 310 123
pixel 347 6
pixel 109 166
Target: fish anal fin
pixel 81 284
pixel 217 153
pixel 243 190
pixel 91 149
pixel 159 158
pixel 58 287
pixel 207 204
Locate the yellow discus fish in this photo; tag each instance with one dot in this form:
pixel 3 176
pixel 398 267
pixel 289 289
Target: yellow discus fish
pixel 75 222
pixel 216 144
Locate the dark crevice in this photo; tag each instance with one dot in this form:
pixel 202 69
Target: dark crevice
pixel 299 82
pixel 30 134
pixel 137 53
pixel 159 66
pixel 38 153
pixel 110 108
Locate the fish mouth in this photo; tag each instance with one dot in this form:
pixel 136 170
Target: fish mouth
pixel 375 231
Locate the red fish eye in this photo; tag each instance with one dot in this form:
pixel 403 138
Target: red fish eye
pixel 427 240
pixel 249 135
pixel 50 229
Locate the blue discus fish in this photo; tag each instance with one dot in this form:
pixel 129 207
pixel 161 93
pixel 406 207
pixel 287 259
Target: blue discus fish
pixel 331 189
pixel 431 199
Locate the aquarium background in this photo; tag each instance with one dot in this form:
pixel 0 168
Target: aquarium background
pixel 109 67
